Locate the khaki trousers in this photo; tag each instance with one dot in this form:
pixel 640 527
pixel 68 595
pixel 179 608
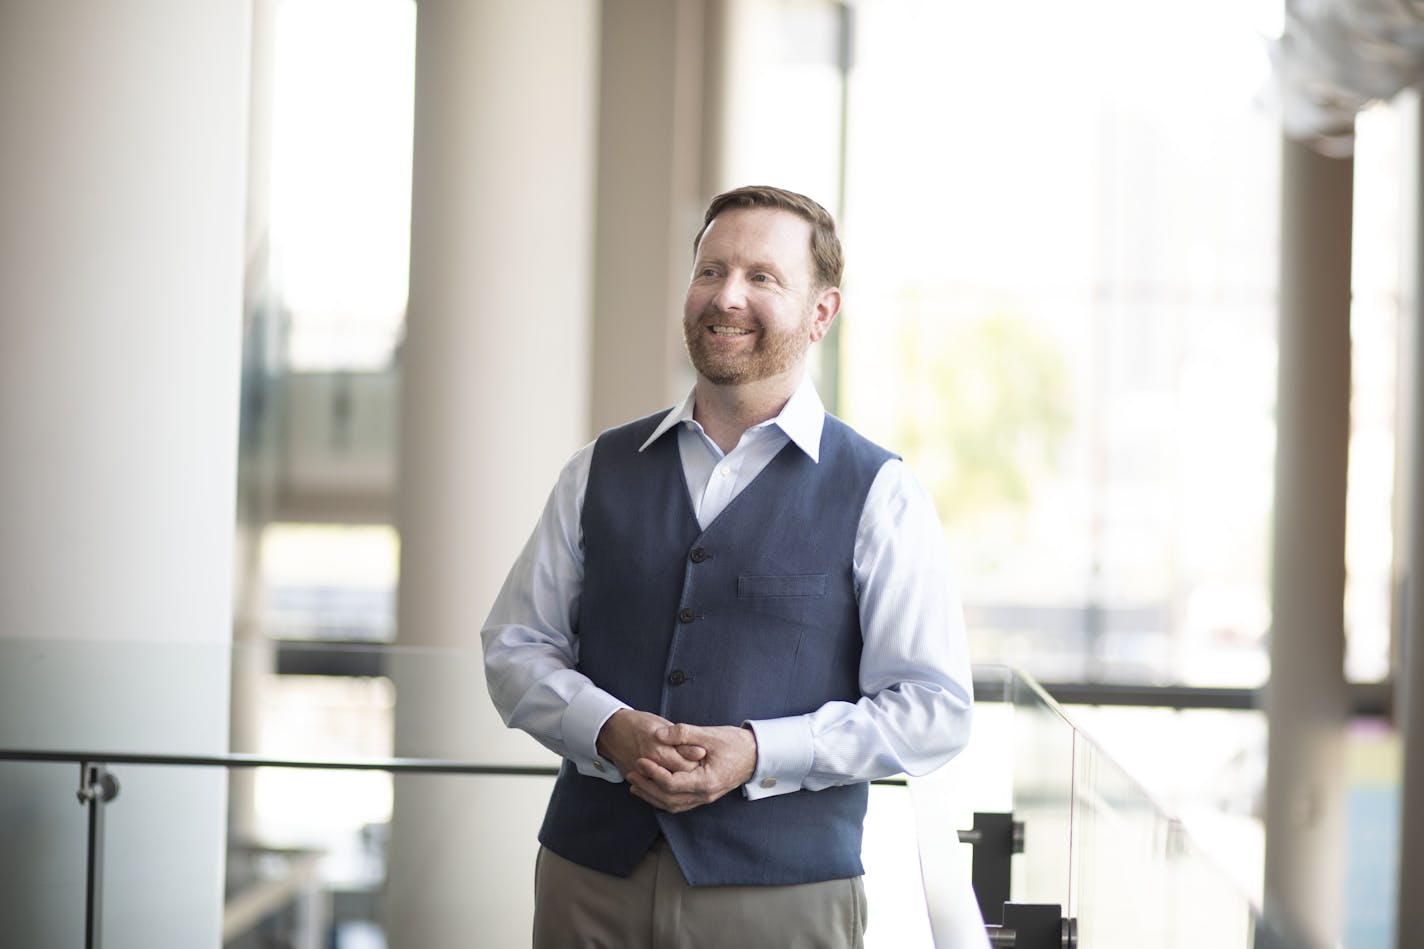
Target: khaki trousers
pixel 655 908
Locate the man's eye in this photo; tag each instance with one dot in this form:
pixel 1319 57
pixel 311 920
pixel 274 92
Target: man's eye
pixel 761 277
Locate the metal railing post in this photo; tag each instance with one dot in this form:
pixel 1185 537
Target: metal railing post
pixel 97 787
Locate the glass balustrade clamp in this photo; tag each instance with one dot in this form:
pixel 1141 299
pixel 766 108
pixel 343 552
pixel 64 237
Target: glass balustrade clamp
pixel 995 837
pixel 1034 926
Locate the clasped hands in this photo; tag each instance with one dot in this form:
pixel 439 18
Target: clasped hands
pixel 677 767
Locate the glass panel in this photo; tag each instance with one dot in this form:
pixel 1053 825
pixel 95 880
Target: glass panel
pixel 1095 842
pixel 42 835
pixel 386 856
pixel 164 836
pixel 1043 743
pixel 114 695
pixel 1137 880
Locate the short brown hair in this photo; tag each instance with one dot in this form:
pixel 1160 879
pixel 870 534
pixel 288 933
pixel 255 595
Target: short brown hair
pixel 826 255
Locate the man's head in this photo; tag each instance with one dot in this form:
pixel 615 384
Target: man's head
pixel 760 292
pixel 826 255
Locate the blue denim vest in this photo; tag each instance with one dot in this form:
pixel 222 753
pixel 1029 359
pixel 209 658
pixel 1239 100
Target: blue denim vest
pixel 753 618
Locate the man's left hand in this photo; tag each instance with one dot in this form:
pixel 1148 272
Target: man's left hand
pixel 730 761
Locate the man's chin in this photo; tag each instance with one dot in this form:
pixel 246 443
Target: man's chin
pixel 722 377
pixel 720 372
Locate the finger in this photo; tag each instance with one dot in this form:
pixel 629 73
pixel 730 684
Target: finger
pixel 698 787
pixel 673 759
pixel 653 771
pixel 692 752
pixel 680 734
pixel 645 797
pixel 646 791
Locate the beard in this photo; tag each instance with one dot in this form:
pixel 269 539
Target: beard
pixel 774 352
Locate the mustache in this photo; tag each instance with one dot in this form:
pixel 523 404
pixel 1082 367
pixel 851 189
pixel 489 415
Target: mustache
pixel 713 316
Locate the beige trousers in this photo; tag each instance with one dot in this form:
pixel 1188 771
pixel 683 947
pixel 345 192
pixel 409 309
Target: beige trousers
pixel 655 908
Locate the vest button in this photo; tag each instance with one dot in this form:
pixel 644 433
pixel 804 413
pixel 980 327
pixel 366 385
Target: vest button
pixel 687 615
pixel 698 555
pixel 677 677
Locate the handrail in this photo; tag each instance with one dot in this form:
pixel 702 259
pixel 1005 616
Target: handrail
pixel 233 760
pixel 394 765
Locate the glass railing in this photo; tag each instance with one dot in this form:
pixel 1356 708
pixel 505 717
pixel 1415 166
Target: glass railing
pixel 366 796
pixel 1065 832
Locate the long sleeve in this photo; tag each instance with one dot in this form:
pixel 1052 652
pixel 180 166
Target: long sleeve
pixel 530 647
pixel 915 679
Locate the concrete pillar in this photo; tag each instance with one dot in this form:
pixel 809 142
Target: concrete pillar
pixel 121 271
pixel 1409 674
pixel 1307 702
pixel 495 375
pixel 736 52
pixel 650 202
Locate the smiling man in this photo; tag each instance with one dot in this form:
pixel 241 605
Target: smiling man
pixel 731 617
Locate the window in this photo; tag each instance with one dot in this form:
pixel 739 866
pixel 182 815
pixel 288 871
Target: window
pixel 1062 257
pixel 341 168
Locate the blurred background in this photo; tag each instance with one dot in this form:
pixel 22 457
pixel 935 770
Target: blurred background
pixel 453 238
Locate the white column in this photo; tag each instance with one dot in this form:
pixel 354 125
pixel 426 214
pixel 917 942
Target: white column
pixel 253 653
pixel 1409 674
pixel 121 259
pixel 650 199
pixel 494 400
pixel 1307 702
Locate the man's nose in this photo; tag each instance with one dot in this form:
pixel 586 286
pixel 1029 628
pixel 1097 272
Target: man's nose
pixel 732 294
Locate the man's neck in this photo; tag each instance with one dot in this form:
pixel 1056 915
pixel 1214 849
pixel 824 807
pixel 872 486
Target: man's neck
pixel 726 412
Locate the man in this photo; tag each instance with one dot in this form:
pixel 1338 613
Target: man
pixel 730 618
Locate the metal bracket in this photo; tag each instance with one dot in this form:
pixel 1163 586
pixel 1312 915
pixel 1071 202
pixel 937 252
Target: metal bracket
pixel 1034 926
pixel 96 782
pixel 996 837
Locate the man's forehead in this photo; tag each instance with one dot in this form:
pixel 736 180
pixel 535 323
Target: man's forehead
pixel 736 228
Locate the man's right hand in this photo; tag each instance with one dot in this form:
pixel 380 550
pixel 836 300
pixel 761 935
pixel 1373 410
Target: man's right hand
pixel 629 735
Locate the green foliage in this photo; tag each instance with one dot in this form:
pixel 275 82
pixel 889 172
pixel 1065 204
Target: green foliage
pixel 989 411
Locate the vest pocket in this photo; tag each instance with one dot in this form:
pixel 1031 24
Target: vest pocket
pixel 807 584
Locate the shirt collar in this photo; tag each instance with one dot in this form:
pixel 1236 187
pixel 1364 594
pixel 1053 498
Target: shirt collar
pixel 802 419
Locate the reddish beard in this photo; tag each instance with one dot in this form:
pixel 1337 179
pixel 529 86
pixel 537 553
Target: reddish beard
pixel 772 352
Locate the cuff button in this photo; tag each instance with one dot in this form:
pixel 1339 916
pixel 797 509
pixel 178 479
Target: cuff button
pixel 768 783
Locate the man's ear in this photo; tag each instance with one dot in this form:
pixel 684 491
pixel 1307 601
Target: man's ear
pixel 828 306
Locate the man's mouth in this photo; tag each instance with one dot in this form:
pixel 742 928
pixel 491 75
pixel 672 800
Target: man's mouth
pixel 719 329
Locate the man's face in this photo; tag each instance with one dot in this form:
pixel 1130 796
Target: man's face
pixel 751 312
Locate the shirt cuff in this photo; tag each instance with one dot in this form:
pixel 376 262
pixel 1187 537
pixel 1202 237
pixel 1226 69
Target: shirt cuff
pixel 581 723
pixel 784 756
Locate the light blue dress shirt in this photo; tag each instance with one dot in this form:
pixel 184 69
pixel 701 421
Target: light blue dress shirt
pixel 915 681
